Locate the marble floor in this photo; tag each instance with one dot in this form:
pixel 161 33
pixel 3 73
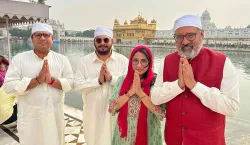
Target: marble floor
pixel 74 134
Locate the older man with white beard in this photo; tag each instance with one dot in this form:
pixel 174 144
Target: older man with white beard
pixel 199 86
pixel 96 75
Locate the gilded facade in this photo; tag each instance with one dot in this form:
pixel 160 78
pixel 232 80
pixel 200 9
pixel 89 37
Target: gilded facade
pixel 138 29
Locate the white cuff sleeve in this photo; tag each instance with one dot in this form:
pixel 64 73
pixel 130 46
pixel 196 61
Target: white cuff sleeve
pixel 114 80
pixel 66 87
pixel 22 86
pixel 173 88
pixel 199 90
pixel 95 82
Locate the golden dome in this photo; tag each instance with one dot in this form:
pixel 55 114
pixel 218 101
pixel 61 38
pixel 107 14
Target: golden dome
pixel 153 21
pixel 139 20
pixel 116 21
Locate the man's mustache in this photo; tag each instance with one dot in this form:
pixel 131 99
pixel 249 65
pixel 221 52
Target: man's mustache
pixel 188 45
pixel 102 46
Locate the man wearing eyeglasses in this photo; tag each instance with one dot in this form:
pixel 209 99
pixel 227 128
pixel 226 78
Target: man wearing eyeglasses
pixel 95 77
pixel 40 78
pixel 199 86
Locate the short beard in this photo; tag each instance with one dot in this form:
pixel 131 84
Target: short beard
pixel 192 53
pixel 106 52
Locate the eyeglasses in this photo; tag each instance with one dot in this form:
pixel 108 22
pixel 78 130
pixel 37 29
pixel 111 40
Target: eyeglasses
pixel 39 35
pixel 99 40
pixel 144 62
pixel 189 36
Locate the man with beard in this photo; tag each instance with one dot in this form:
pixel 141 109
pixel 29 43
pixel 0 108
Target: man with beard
pixel 199 86
pixel 40 78
pixel 95 77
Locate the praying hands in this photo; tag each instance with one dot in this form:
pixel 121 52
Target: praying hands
pixel 136 87
pixel 44 75
pixel 185 74
pixel 104 75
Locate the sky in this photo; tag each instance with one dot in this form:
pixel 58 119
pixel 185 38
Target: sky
pixel 82 15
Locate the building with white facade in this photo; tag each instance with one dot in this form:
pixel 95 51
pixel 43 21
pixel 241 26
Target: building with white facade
pixel 73 32
pixel 206 21
pixel 211 31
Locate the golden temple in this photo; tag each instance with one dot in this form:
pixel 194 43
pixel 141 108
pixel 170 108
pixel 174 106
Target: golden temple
pixel 138 30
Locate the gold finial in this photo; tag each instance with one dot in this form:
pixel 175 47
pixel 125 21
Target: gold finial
pixel 116 21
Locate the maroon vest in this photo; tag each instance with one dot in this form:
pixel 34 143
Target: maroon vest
pixel 188 120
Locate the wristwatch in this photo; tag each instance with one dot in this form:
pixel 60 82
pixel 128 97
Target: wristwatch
pixel 52 81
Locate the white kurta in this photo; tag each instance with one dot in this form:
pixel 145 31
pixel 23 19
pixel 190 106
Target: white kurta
pixel 96 118
pixel 40 109
pixel 224 101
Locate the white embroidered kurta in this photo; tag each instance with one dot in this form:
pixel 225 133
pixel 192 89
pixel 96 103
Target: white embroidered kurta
pixel 40 109
pixel 224 101
pixel 96 118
